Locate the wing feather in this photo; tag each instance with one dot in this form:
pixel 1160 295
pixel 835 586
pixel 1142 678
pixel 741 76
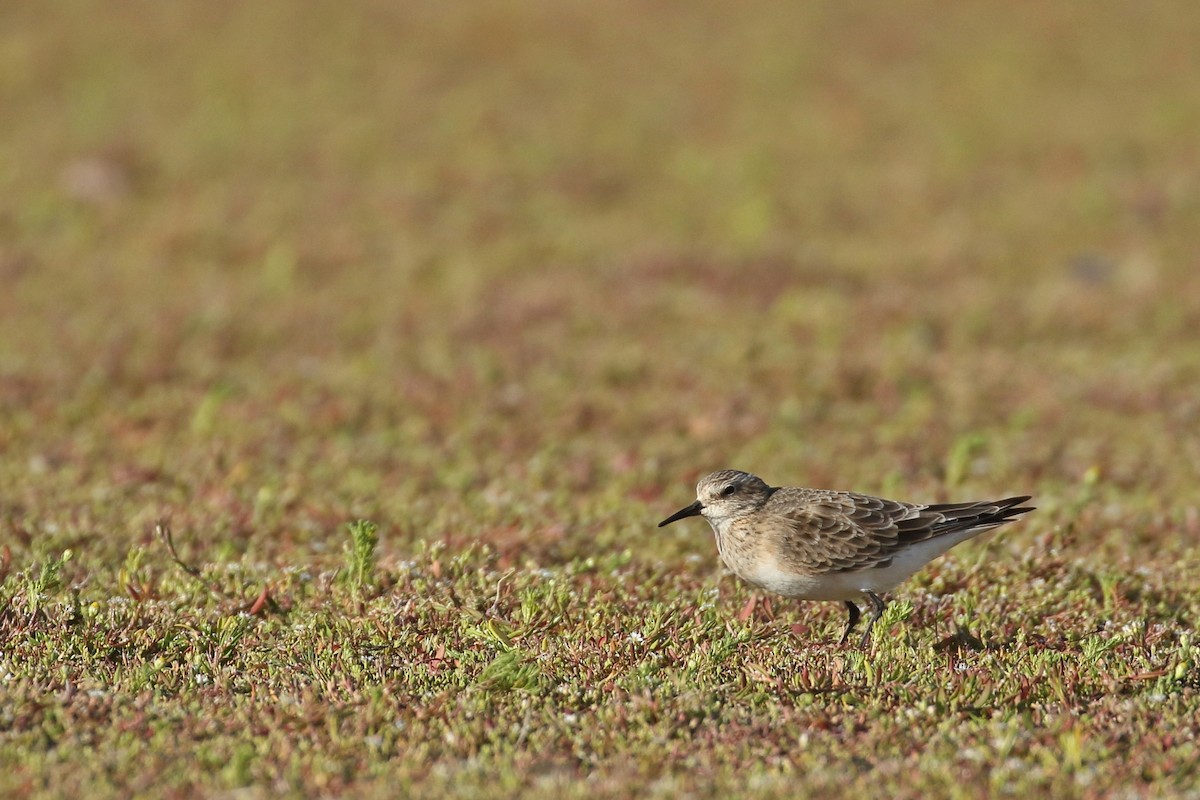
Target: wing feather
pixel 829 531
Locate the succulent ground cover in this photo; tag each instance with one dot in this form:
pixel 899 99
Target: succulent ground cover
pixel 349 356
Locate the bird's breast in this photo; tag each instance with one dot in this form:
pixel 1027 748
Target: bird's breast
pixel 754 560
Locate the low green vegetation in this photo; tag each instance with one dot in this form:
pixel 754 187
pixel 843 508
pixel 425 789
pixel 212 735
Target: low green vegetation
pixel 350 354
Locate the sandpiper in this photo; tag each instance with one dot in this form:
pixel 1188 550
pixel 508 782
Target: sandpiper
pixel 819 544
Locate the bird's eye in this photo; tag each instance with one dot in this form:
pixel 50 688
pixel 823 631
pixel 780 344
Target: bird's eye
pixel 728 490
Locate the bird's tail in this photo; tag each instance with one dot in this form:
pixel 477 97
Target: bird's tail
pixel 977 516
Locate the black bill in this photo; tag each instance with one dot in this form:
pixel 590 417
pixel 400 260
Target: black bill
pixel 691 511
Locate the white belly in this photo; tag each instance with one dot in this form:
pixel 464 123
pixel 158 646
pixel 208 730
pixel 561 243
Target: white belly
pixel 770 574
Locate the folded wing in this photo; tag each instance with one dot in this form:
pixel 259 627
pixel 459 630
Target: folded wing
pixel 847 532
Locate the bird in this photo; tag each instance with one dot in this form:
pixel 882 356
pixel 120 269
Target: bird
pixel 821 544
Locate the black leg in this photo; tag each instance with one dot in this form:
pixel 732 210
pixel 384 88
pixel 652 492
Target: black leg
pixel 854 615
pixel 877 607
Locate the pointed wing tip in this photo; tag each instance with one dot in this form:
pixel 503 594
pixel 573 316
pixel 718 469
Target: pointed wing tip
pixel 1012 505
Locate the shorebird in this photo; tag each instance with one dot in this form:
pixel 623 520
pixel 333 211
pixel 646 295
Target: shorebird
pixel 819 544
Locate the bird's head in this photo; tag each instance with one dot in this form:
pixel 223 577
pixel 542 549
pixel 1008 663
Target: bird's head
pixel 723 494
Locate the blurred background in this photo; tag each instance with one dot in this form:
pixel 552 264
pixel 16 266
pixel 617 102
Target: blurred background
pixel 519 272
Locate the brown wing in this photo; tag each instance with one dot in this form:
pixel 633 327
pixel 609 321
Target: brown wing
pixel 846 532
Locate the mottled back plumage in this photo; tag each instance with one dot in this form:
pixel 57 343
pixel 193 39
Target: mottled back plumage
pixel 828 531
